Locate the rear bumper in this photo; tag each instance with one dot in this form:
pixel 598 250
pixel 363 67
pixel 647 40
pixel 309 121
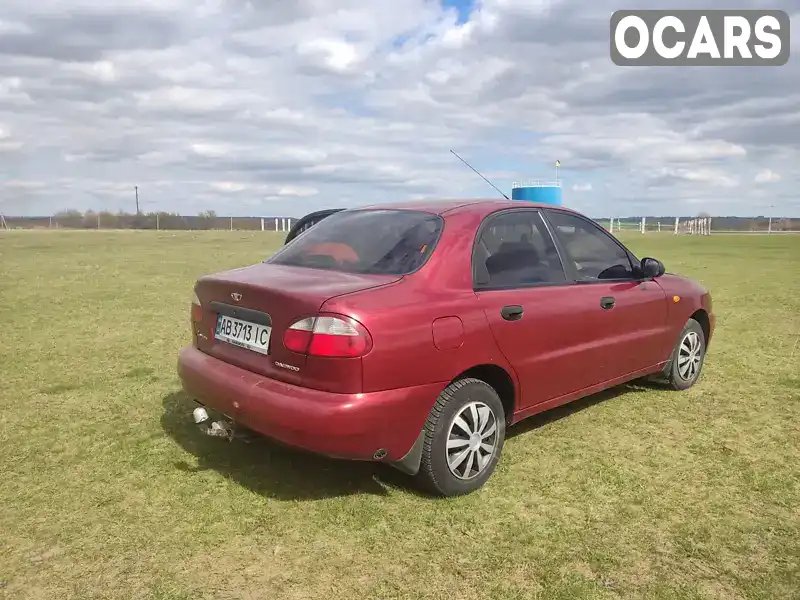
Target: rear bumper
pixel 350 426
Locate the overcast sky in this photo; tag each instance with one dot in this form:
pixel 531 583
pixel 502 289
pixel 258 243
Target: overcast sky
pixel 268 107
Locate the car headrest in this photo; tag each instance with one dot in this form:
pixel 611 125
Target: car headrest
pixel 518 258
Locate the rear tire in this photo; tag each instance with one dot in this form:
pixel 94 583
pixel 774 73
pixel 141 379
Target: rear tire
pixel 688 356
pixel 464 436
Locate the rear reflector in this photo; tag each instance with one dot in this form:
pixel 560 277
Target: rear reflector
pixel 333 336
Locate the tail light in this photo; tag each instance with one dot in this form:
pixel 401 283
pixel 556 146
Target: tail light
pixel 332 336
pixel 197 310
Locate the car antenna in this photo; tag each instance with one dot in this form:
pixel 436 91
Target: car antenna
pixel 484 178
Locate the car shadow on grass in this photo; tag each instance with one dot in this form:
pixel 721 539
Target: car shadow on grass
pixel 566 410
pixel 398 479
pixel 265 467
pixel 276 471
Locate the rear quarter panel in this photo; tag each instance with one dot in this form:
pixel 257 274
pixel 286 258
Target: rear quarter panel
pixel 400 317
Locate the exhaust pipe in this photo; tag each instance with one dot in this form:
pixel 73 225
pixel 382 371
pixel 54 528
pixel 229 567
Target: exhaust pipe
pixel 214 428
pixel 200 415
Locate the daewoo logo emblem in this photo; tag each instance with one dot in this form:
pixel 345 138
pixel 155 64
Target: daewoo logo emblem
pixel 236 296
pixel 285 366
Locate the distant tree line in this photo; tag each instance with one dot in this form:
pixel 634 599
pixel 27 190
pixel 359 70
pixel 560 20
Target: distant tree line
pixel 74 219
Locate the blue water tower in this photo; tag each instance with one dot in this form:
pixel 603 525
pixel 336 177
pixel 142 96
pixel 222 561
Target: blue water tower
pixel 546 192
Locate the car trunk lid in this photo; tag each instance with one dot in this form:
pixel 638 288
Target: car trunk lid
pixel 275 296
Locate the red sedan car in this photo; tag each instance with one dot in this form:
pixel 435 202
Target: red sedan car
pixel 415 334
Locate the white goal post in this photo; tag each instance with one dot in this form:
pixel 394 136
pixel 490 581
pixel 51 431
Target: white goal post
pixel 697 226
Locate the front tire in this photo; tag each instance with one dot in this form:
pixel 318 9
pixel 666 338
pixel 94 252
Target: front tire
pixel 464 436
pixel 687 357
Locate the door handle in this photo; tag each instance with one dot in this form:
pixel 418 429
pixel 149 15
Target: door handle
pixel 512 313
pixel 607 302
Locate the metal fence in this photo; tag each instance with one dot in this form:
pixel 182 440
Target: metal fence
pixel 157 221
pixel 705 225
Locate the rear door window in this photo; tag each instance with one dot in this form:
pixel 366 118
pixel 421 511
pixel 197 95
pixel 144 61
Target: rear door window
pixel 379 242
pixel 514 249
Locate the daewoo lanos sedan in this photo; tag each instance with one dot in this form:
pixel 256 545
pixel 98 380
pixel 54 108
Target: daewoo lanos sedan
pixel 415 334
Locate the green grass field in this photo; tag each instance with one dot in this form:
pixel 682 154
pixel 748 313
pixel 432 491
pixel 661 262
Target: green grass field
pixel 109 492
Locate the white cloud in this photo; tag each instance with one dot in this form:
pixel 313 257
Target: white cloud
pixel 7 27
pixel 263 190
pixel 336 55
pixel 7 141
pixel 102 70
pixel 288 107
pixel 582 187
pixel 22 184
pixel 767 176
pixel 300 192
pixel 707 176
pixel 210 150
pixel 229 186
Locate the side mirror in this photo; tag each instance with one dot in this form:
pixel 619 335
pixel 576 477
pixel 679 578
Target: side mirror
pixel 652 268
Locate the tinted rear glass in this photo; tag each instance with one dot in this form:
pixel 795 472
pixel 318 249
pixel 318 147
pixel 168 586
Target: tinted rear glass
pixel 381 242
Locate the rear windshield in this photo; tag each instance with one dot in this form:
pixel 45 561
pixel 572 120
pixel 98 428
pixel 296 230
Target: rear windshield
pixel 379 242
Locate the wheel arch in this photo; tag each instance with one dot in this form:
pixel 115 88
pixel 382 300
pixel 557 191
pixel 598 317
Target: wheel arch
pixel 495 376
pixel 701 316
pixel 500 380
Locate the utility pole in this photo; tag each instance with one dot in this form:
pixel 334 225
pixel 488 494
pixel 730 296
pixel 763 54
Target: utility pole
pixel 769 226
pixel 136 189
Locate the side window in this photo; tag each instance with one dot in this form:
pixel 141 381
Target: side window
pixel 594 253
pixel 514 249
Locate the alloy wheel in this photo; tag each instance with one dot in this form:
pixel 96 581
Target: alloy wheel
pixel 689 356
pixel 471 440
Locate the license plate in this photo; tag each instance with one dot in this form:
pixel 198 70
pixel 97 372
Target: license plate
pixel 244 334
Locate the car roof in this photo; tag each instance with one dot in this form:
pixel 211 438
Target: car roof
pixel 441 206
